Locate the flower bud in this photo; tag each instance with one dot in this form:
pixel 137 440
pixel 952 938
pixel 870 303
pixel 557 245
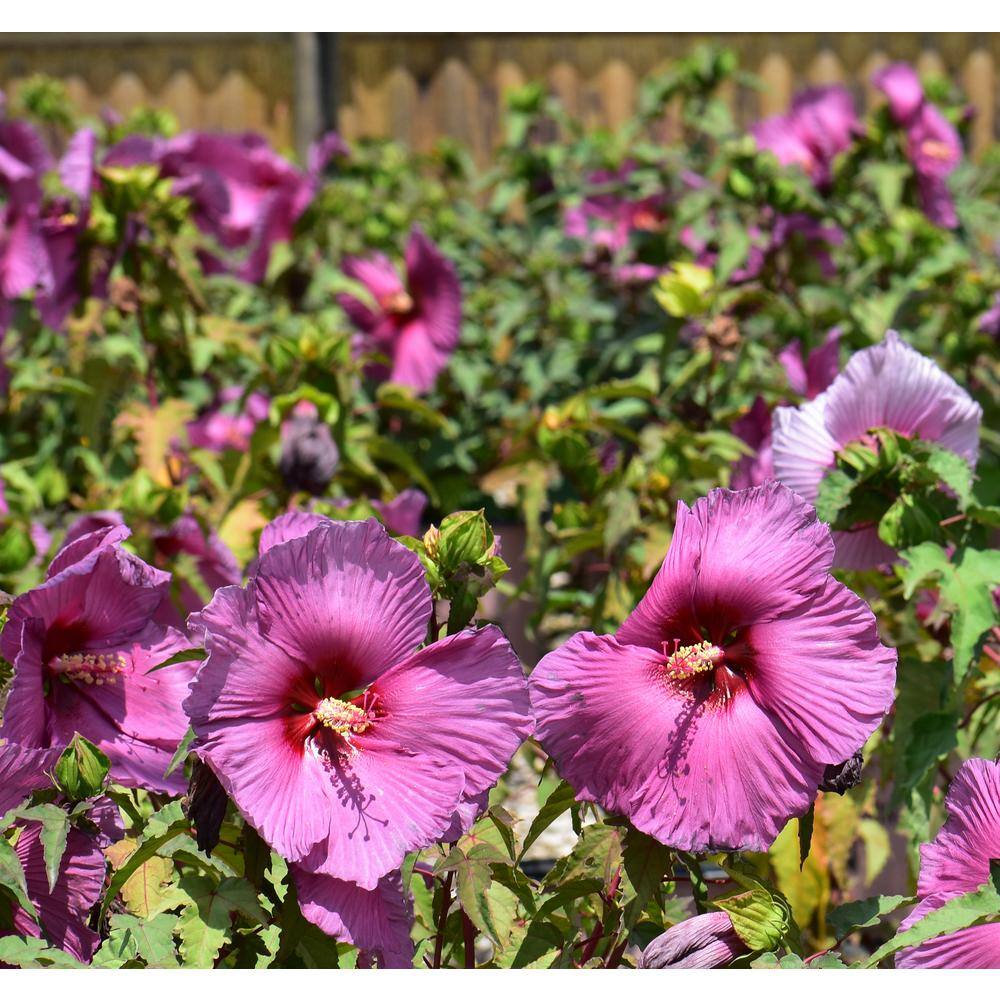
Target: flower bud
pixel 206 806
pixel 308 454
pixel 707 941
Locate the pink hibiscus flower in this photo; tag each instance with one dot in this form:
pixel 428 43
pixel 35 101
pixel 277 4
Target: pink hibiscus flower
pixel 957 861
pixel 745 673
pixel 223 427
pixel 706 941
pixel 340 741
pixel 82 645
pixel 415 326
pixel 889 386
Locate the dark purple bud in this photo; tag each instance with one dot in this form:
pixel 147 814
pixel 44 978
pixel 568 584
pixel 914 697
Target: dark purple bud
pixel 206 806
pixel 707 941
pixel 308 454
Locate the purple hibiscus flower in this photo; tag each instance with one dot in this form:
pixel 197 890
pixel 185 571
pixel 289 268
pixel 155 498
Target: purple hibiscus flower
pixel 223 427
pixel 415 326
pixel 82 645
pixel 818 126
pixel 710 718
pixel 403 514
pixel 340 741
pixel 63 911
pixel 933 144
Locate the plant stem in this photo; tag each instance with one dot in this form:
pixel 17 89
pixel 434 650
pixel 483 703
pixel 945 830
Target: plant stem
pixel 469 934
pixel 443 918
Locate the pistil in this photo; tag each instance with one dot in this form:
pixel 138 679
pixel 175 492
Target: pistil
pixel 90 668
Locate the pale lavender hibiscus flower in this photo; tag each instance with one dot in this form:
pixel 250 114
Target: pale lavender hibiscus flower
pixel 711 717
pixel 707 941
pixel 83 644
pixel 340 741
pixel 888 386
pixel 415 326
pixel 957 861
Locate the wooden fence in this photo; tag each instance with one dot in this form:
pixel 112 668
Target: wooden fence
pixel 416 88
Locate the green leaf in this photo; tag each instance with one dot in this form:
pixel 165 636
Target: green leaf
pixel 205 924
pixel 861 913
pixel 953 471
pixel 141 854
pixel 646 862
pixel 561 798
pixel 12 878
pixel 596 855
pixel 55 830
pixel 932 737
pixel 184 656
pixel 834 495
pixel 981 906
pixel 82 770
pixel 153 938
pixel 180 754
pixel 967 582
pixel 34 953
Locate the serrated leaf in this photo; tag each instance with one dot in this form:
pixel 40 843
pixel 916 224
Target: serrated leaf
pixel 833 495
pixel 34 953
pixel 953 471
pixel 597 854
pixel 153 938
pixel 759 920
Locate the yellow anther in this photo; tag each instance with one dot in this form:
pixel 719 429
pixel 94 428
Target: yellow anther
pixel 90 668
pixel 341 716
pixel 686 661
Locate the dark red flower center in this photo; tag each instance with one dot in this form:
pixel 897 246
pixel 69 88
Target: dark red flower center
pixel 712 672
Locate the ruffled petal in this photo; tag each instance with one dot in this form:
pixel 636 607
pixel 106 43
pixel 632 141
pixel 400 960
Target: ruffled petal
pixel 376 273
pixel 802 448
pixel 892 385
pixel 80 544
pixel 377 920
pixel 346 599
pixel 462 699
pixel 823 671
pixel 861 548
pixel 743 556
pixel 294 524
pixel 696 774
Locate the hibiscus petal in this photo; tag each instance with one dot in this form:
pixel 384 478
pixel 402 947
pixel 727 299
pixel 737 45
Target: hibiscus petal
pixel 22 770
pixel 295 524
pixel 823 671
pixel 462 699
pixel 802 447
pixel 696 775
pixel 376 273
pixel 346 598
pixel 973 948
pixel 62 912
pixel 376 920
pixel 892 385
